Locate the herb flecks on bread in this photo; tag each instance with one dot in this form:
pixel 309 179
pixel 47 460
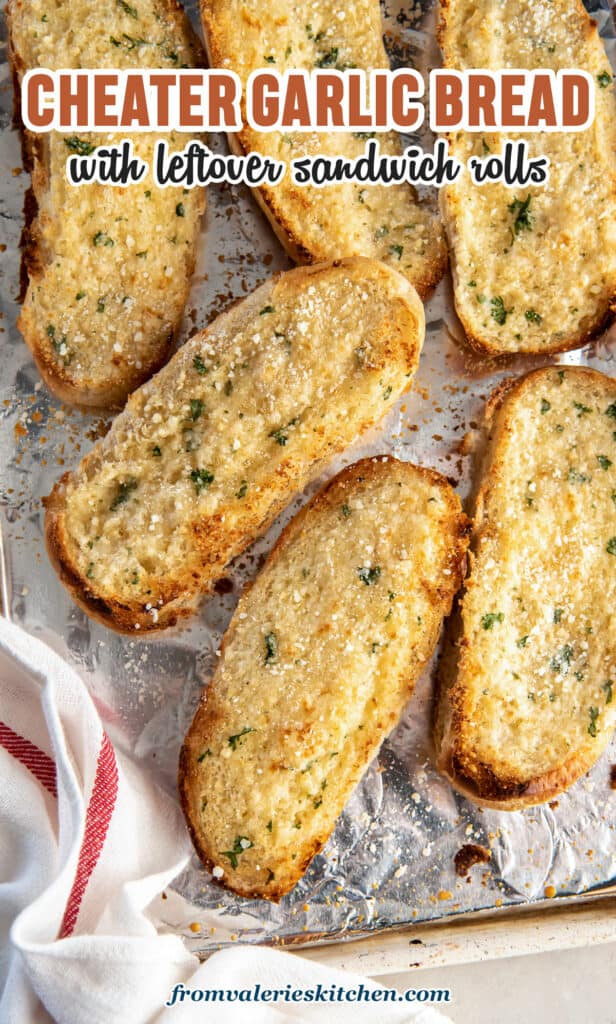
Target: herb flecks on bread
pixel 534 266
pixel 108 267
pixel 526 687
pixel 387 223
pixel 317 665
pixel 209 451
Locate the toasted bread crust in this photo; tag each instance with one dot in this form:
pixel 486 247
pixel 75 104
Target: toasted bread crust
pixel 360 393
pixel 311 535
pixel 105 381
pixel 591 333
pixel 228 27
pixel 493 257
pixel 508 785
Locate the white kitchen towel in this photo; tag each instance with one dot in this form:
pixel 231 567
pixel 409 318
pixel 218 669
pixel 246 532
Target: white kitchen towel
pixel 87 840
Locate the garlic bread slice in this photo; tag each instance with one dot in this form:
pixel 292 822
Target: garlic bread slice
pixel 318 662
pixel 526 703
pixel 107 268
pixel 208 452
pixel 343 219
pixel 534 266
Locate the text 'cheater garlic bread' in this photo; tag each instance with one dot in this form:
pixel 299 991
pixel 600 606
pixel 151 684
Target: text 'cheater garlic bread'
pixel 108 266
pixel 387 223
pixel 208 452
pixel 318 662
pixel 526 701
pixel 534 267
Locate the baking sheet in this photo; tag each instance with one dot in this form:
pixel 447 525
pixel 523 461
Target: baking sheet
pixel 390 860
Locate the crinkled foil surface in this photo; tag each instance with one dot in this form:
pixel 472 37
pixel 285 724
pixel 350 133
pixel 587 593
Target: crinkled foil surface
pixel 390 860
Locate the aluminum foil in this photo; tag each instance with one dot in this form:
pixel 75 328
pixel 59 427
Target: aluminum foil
pixel 390 860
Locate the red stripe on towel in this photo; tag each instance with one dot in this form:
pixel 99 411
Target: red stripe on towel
pixel 32 757
pixel 98 817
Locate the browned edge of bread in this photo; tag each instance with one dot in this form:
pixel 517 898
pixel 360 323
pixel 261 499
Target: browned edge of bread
pixel 499 358
pixel 113 614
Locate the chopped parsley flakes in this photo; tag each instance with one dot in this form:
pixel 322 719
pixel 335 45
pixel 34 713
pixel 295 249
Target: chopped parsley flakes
pixel 197 408
pixel 240 845
pixel 102 238
pixel 59 344
pixel 562 659
pixel 236 741
pixel 202 478
pixel 131 11
pixel 490 618
pixel 369 575
pixel 124 492
pixel 498 311
pixel 523 220
pixel 281 435
pixel 79 146
pixel 329 59
pixel 271 648
pixel 582 410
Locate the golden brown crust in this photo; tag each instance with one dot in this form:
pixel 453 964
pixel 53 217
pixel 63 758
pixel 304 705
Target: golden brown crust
pixel 467 772
pixel 111 613
pixel 483 347
pixel 499 796
pixel 208 717
pixel 93 393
